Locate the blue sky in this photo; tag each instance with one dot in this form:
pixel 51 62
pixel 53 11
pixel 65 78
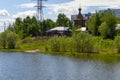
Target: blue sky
pixel 14 6
pixel 11 9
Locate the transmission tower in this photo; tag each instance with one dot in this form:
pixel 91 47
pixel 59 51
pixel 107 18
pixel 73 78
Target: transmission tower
pixel 40 15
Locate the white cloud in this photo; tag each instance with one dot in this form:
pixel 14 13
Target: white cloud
pixel 97 2
pixel 4 12
pixel 5 23
pixel 27 5
pixel 70 8
pixel 25 14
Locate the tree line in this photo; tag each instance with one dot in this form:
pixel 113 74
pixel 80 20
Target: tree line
pixel 103 24
pixel 29 27
pixel 32 27
pixel 100 24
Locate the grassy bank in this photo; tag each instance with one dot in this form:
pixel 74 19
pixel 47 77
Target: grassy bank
pixel 78 46
pixel 103 56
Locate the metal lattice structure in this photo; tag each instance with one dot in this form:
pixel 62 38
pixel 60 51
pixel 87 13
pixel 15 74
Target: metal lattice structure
pixel 40 14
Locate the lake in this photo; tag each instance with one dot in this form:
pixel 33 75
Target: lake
pixel 21 66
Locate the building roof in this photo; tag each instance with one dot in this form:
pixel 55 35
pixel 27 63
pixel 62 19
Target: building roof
pixel 60 28
pixel 82 29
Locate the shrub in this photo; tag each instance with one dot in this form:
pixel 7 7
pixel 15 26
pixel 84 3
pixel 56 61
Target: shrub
pixel 28 40
pixel 117 43
pixel 3 42
pixel 83 42
pixel 54 44
pixel 80 42
pixel 63 43
pixel 12 39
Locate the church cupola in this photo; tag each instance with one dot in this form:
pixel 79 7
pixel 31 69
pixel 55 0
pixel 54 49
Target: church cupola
pixel 79 19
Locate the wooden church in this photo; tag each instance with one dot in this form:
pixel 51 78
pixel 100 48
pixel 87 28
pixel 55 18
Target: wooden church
pixel 79 19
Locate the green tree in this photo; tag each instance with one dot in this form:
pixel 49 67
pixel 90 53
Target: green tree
pixel 34 27
pixel 107 28
pixel 26 27
pixel 94 23
pixel 118 20
pixel 26 24
pixel 63 21
pixel 104 30
pixel 48 24
pixel 17 27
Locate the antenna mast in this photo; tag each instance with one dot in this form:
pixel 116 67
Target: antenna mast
pixel 40 15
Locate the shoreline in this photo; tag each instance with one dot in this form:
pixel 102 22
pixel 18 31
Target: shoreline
pixel 71 54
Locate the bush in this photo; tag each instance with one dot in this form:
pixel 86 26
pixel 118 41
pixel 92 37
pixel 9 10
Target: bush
pixel 83 42
pixel 63 43
pixel 117 43
pixel 9 40
pixel 3 40
pixel 28 40
pixel 54 44
pixel 12 39
pixel 80 42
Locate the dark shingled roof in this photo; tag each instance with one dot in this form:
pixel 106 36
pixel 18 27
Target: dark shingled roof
pixel 79 16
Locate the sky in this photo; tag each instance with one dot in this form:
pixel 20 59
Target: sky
pixel 11 9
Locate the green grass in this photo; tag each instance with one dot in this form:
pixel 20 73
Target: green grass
pixel 28 46
pixel 11 50
pixel 106 50
pixel 32 46
pixel 105 57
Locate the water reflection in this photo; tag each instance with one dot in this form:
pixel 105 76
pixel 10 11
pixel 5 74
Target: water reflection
pixel 20 66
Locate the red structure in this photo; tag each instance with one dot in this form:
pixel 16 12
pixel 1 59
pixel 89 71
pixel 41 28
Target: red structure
pixel 79 19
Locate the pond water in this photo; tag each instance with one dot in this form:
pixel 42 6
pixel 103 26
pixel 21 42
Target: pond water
pixel 21 66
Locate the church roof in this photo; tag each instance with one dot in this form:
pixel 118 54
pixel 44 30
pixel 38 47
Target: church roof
pixel 79 16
